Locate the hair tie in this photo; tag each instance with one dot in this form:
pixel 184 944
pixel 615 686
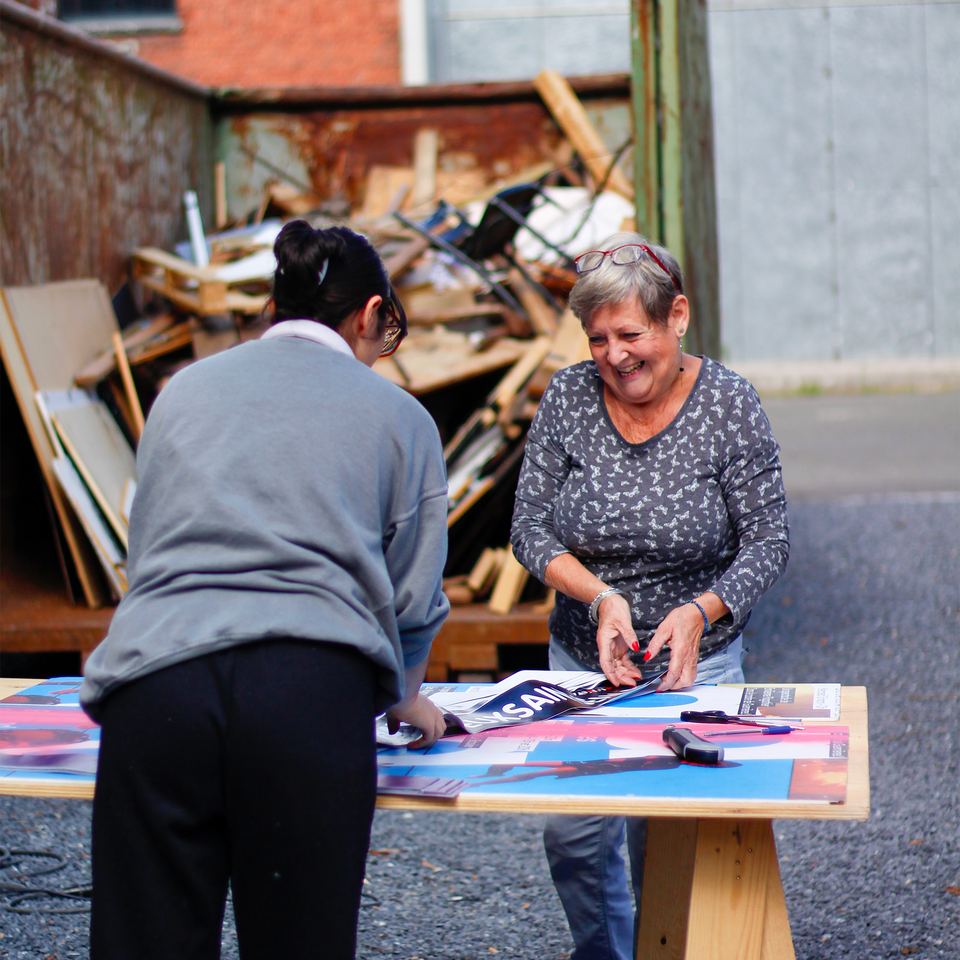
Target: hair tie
pixel 323 271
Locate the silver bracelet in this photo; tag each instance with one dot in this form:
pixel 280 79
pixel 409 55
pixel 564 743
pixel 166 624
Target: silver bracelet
pixel 600 597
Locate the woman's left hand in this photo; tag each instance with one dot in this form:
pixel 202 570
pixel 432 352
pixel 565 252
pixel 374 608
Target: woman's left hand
pixel 682 628
pixel 615 640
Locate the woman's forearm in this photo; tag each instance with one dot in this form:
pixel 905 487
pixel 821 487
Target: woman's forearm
pixel 712 605
pixel 568 575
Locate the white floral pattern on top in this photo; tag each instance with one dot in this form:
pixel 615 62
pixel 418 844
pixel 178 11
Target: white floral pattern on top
pixel 698 507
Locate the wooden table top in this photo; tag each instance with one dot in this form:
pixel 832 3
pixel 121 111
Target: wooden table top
pixel 853 714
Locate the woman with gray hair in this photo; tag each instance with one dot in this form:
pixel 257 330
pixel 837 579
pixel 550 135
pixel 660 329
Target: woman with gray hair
pixel 651 498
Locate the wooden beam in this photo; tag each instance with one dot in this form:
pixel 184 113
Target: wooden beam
pixel 646 166
pixel 572 119
pixel 425 145
pixel 513 577
pixel 128 386
pixel 701 254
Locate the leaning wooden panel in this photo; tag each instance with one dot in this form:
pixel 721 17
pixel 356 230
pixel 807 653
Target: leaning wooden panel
pixel 61 327
pixel 101 453
pixel 24 387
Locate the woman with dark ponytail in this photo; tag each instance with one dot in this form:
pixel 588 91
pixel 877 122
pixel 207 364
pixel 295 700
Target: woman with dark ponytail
pixel 287 542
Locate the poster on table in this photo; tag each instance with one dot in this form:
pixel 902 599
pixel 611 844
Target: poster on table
pixel 614 749
pixel 617 749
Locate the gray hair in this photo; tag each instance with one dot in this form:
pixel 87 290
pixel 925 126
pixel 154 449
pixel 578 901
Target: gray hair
pixel 643 281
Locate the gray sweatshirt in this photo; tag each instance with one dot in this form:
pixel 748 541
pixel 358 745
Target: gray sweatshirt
pixel 285 490
pixel 698 507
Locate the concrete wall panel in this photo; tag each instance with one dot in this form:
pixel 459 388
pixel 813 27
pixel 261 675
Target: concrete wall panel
pixel 943 106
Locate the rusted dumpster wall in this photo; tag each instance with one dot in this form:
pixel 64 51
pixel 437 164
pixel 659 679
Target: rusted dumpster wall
pixel 327 139
pixel 96 151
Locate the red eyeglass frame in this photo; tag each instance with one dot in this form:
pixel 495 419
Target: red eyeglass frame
pixel 609 253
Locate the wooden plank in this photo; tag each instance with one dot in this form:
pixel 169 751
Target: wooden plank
pixel 111 556
pixel 469 499
pixel 729 893
pixel 431 364
pixel 473 656
pixel 520 373
pixel 513 578
pixel 220 194
pixel 25 386
pixel 134 337
pixel 399 261
pixel 101 454
pixel 541 315
pixel 482 569
pixel 383 183
pixel 425 146
pixel 37 616
pixel 701 249
pixel 646 167
pixel 10 686
pixel 777 940
pixel 667 882
pixel 424 302
pixel 131 391
pixel 671 141
pixel 853 713
pixel 572 119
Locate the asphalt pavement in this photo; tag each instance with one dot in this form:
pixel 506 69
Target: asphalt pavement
pixel 871 597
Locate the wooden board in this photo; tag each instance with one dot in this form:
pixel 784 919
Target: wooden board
pixel 712 891
pixel 383 185
pixel 434 361
pixel 112 558
pixel 107 550
pixel 509 585
pixel 61 327
pixel 100 453
pixel 425 145
pixel 56 359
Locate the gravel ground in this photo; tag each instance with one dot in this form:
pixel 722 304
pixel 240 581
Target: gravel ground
pixel 871 597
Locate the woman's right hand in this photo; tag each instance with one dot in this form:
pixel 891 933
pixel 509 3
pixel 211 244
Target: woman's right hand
pixel 423 714
pixel 615 640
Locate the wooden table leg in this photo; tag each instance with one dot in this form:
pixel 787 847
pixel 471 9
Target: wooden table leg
pixel 712 891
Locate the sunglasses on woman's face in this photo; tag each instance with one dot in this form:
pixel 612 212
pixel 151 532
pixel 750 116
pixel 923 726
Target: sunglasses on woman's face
pixel 396 331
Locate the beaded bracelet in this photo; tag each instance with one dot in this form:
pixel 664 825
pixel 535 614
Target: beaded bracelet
pixel 703 613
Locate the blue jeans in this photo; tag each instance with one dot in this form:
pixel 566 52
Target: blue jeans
pixel 587 867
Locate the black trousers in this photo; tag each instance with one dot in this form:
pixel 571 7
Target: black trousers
pixel 255 766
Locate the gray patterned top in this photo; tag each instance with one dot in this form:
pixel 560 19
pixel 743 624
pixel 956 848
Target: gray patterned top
pixel 698 507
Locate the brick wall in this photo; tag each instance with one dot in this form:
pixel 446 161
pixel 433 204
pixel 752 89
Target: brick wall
pixel 281 43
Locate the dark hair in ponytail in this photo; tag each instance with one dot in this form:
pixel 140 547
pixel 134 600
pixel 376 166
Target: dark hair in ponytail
pixel 328 275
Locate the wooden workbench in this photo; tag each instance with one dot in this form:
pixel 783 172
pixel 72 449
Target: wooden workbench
pixel 712 888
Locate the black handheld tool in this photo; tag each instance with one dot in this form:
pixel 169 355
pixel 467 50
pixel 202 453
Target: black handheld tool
pixel 688 746
pixel 718 716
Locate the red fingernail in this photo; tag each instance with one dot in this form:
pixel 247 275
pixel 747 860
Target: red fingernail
pixel 647 655
pixel 636 647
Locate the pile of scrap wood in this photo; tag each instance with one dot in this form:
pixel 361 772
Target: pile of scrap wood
pixel 486 335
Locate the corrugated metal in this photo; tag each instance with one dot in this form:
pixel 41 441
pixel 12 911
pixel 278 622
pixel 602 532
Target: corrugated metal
pixel 95 154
